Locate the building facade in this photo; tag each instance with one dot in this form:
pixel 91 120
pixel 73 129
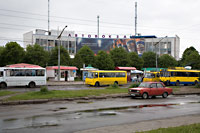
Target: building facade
pixel 72 43
pixel 49 41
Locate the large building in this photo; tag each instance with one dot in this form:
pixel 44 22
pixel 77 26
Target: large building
pixel 49 41
pixel 71 42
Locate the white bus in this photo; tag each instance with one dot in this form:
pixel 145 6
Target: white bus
pixel 22 77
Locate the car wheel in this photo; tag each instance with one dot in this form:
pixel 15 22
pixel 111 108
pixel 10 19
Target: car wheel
pixel 145 95
pixel 177 83
pixel 3 85
pixel 97 84
pixel 31 85
pixel 164 95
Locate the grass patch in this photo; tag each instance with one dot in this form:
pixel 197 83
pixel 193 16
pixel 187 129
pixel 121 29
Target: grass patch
pixel 194 128
pixel 4 93
pixel 65 94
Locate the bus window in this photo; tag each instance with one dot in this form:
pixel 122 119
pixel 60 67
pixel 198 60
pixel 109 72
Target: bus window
pixel 96 75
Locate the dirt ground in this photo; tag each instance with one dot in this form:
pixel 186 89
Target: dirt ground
pixel 146 125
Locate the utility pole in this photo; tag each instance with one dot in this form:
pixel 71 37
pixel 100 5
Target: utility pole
pixel 156 51
pixel 48 24
pixel 135 18
pixel 59 52
pixel 98 26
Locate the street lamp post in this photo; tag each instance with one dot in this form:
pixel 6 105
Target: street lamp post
pixel 156 52
pixel 59 52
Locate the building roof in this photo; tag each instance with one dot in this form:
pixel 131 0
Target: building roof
pixel 62 68
pixel 125 68
pixel 23 65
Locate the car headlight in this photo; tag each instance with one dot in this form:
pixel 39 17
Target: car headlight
pixel 138 91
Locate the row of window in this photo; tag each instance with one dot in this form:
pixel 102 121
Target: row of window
pixel 180 74
pixel 25 72
pixel 118 74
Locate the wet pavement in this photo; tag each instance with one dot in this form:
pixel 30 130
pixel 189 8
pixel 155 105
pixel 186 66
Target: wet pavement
pixel 67 117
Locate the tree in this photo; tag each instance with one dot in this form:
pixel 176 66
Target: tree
pixel 186 53
pixel 1 55
pixel 87 55
pixel 35 54
pixel 166 61
pixel 12 53
pixel 135 60
pixel 193 60
pixel 64 57
pixel 149 59
pixel 120 57
pixel 104 61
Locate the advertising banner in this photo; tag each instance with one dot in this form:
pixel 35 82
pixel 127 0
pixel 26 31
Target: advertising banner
pixel 107 44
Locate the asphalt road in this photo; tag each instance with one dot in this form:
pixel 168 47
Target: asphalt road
pixel 67 117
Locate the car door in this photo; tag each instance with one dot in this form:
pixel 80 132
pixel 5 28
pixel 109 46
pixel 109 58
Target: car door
pixel 153 89
pixel 160 89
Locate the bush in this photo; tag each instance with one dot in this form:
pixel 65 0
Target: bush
pixel 134 85
pixel 113 86
pixel 44 89
pixel 197 86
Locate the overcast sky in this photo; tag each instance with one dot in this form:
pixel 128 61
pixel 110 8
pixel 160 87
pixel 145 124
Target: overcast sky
pixel 155 17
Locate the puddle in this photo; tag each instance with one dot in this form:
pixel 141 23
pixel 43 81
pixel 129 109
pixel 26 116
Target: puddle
pixel 82 102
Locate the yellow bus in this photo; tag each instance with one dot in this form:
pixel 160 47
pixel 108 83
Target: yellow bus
pixel 101 77
pixel 181 76
pixel 151 77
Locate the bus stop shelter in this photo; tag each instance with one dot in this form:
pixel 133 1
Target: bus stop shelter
pixel 128 70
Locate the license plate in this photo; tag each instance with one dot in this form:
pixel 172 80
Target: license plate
pixel 132 94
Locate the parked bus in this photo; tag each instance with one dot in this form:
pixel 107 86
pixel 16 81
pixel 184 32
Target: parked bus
pixel 151 77
pixel 181 76
pixel 22 77
pixel 97 78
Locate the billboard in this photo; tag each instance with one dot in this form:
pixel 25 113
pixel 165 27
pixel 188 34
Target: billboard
pixel 107 44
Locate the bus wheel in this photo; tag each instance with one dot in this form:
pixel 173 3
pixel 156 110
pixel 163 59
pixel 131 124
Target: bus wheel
pixel 177 83
pixel 168 83
pixel 145 95
pixel 97 84
pixel 115 83
pixel 196 83
pixel 31 84
pixel 3 85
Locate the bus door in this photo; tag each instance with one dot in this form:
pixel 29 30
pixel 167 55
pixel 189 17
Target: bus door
pixel 1 76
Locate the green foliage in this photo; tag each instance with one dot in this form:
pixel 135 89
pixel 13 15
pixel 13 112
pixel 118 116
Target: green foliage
pixel 113 86
pixel 135 60
pixel 149 59
pixel 134 85
pixel 4 93
pixel 193 128
pixel 44 89
pixel 193 60
pixel 64 57
pixel 66 94
pixel 166 61
pixel 120 57
pixel 87 55
pixel 35 54
pixel 12 53
pixel 104 61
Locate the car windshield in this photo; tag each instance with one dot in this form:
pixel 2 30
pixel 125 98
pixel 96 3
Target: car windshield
pixel 145 85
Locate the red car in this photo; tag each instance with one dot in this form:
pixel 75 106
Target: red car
pixel 147 89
